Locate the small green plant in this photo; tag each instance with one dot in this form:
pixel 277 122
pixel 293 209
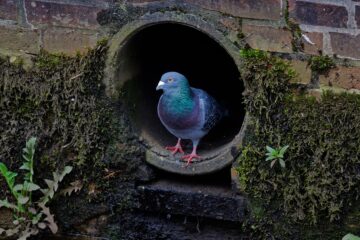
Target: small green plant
pixel 29 215
pixel 350 236
pixel 274 155
pixel 321 64
pixel 253 54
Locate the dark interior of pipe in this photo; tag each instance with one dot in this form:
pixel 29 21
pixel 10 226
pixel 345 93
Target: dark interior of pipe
pixel 160 48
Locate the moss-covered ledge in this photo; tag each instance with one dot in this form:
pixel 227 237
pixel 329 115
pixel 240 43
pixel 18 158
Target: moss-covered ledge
pixel 315 194
pixel 61 100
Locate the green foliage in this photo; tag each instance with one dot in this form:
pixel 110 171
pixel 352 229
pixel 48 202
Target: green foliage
pixel 30 216
pixel 321 64
pixel 253 54
pixel 274 155
pixel 321 176
pixel 350 237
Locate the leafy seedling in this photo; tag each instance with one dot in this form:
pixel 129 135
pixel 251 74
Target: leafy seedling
pixel 275 155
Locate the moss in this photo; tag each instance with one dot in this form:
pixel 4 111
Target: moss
pixel 297 44
pixel 321 64
pixel 320 180
pixel 46 60
pixel 60 100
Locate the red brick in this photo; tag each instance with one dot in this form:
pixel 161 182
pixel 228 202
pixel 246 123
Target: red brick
pixel 268 38
pixel 68 40
pixel 342 77
pixel 61 14
pixel 8 9
pixel 259 9
pixel 316 39
pixel 143 1
pixel 17 39
pixel 303 71
pixel 318 14
pixel 357 16
pixel 345 45
pixel 231 23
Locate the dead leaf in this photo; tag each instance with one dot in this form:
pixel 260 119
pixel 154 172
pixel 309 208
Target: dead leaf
pixel 76 186
pixel 92 189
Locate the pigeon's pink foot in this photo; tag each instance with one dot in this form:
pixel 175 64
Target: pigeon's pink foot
pixel 176 148
pixel 190 157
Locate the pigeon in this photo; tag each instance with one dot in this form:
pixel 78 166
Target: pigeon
pixel 186 112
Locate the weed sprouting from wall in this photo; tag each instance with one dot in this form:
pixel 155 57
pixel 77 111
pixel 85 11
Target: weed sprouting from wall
pixel 321 179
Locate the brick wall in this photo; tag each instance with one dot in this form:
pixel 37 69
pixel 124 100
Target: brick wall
pixel 330 27
pixel 55 25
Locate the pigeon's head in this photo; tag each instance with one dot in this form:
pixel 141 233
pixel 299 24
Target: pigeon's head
pixel 172 81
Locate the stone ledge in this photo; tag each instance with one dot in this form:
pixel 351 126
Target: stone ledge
pixel 172 197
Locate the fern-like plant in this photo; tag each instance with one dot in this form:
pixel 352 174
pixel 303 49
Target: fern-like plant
pixel 29 215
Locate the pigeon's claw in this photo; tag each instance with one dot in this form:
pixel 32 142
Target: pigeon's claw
pixel 176 148
pixel 190 157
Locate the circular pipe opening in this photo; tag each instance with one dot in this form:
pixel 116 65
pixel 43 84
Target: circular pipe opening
pixel 165 47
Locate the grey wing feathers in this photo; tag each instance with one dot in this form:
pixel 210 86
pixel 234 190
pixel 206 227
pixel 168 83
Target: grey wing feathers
pixel 213 111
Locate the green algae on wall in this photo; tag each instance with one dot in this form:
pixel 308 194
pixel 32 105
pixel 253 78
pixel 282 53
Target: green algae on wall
pixel 320 183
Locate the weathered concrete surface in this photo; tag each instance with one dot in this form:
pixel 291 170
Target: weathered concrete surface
pixel 191 199
pixel 138 225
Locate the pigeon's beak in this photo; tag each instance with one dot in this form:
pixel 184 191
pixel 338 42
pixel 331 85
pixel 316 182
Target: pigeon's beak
pixel 159 86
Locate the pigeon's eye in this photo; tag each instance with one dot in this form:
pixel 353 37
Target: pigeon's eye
pixel 170 80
